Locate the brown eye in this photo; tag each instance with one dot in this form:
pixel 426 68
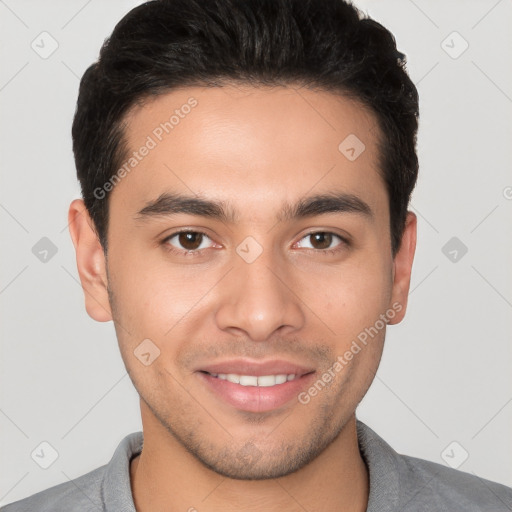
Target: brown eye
pixel 190 241
pixel 322 241
pixel 187 241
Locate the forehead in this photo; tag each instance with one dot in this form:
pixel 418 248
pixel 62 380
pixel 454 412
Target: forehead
pixel 251 147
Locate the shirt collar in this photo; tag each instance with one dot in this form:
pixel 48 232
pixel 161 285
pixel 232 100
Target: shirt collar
pixel 116 488
pixel 381 461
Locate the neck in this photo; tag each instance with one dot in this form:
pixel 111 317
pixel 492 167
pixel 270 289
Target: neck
pixel 166 477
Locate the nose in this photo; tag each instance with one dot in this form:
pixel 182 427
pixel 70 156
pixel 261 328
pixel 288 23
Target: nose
pixel 260 298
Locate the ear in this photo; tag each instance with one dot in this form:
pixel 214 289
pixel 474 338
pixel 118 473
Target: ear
pixel 90 261
pixel 402 267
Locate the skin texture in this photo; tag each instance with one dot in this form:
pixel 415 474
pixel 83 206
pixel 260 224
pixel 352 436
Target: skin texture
pixel 256 149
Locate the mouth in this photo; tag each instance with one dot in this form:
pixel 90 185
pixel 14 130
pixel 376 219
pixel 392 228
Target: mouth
pixel 255 387
pixel 255 380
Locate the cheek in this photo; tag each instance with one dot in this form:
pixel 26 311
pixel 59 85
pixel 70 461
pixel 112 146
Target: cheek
pixel 349 297
pixel 155 299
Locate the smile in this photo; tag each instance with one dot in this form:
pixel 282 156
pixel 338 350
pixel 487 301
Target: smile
pixel 253 380
pixel 255 393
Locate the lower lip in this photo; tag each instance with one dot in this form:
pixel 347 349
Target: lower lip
pixel 256 398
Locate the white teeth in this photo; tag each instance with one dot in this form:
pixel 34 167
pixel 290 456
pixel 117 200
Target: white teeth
pixel 267 380
pixel 248 380
pixel 251 380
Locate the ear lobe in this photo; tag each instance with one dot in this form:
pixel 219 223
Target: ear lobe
pixel 90 261
pixel 403 266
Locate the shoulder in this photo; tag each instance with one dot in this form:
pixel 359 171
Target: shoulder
pixel 409 484
pixel 427 485
pixel 82 493
pixel 104 488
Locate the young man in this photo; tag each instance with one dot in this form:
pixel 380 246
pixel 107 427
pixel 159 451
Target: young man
pixel 246 168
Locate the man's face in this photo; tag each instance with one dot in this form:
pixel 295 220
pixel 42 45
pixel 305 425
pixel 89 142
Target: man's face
pixel 262 287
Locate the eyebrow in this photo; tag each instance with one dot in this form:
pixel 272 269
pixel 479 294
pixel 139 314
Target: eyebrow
pixel 169 204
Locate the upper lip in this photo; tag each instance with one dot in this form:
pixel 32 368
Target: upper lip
pixel 256 368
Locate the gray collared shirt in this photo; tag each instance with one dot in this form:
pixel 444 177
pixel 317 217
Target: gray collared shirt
pixel 398 483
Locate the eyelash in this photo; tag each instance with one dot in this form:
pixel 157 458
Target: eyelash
pixel 195 253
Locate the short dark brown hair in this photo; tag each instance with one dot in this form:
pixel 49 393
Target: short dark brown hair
pixel 321 44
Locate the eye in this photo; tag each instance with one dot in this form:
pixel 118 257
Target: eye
pixel 186 242
pixel 322 241
pixel 192 243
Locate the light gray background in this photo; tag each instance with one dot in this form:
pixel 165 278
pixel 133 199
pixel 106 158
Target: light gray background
pixel 445 374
